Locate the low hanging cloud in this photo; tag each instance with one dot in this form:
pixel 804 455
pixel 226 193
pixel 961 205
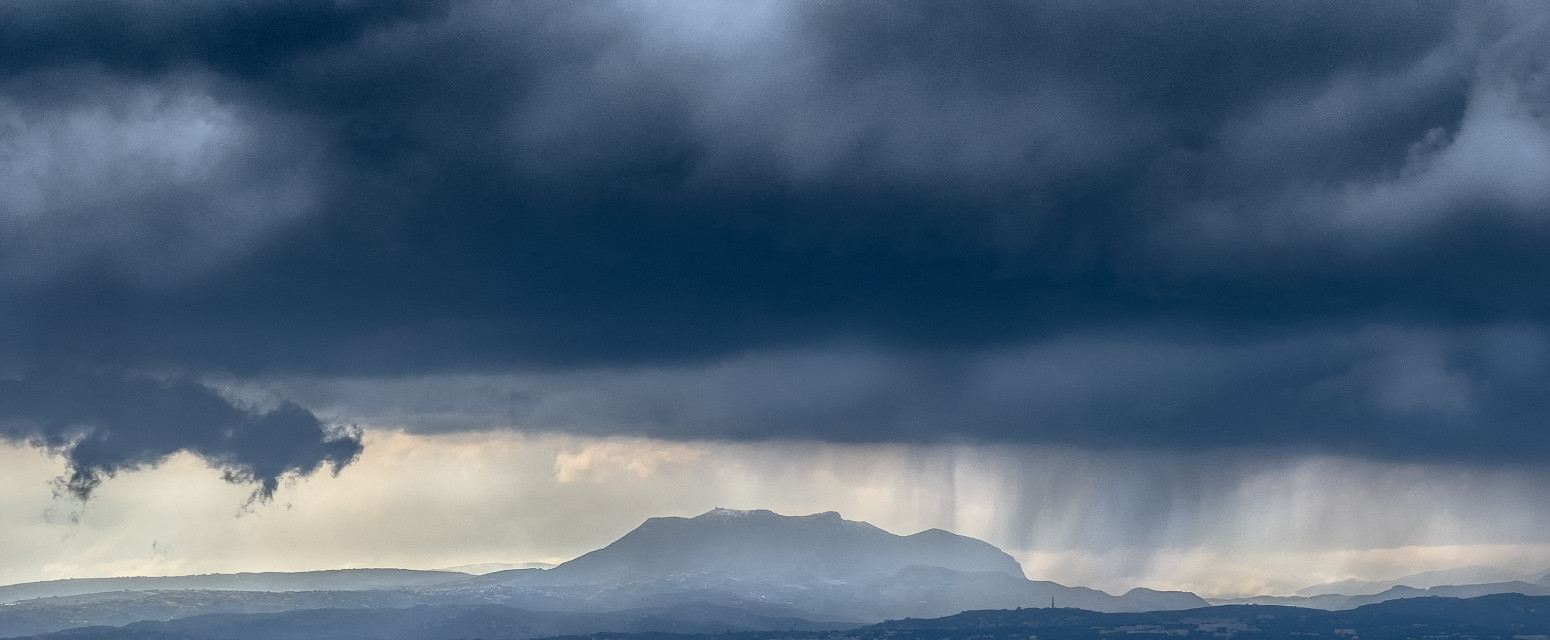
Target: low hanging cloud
pixel 1383 393
pixel 104 424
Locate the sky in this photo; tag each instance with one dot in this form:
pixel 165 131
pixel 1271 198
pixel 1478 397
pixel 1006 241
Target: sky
pixel 1232 297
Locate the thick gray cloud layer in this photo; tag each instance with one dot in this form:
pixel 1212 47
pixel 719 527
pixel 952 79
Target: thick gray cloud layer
pixel 1309 225
pixel 1384 393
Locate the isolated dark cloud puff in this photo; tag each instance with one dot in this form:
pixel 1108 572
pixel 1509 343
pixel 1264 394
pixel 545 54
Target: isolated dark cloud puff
pixel 103 424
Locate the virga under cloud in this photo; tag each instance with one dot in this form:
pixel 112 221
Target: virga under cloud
pixel 1294 227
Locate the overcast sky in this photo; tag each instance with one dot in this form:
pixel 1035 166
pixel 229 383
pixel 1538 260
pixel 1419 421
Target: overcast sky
pixel 1215 295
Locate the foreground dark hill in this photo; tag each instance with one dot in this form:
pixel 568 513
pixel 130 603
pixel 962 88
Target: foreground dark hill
pixel 762 545
pixel 1336 602
pixel 1470 575
pixel 1496 617
pixel 443 622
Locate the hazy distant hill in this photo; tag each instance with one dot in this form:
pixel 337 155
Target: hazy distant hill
pixel 928 591
pixel 1490 617
pixel 1452 591
pixel 482 568
pixel 1426 580
pixel 1334 602
pixel 762 545
pixel 338 580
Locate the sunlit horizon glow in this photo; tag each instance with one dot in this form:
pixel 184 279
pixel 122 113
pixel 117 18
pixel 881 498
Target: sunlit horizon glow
pixel 1079 518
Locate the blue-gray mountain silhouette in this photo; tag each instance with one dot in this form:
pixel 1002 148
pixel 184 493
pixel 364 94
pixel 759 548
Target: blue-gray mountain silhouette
pixel 823 565
pixel 720 570
pixel 763 545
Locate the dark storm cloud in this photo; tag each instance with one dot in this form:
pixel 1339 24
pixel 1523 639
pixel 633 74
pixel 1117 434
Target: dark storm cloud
pixel 149 38
pixel 106 423
pixel 1386 393
pixel 269 189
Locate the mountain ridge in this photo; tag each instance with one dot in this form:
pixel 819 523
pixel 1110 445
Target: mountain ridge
pixel 760 543
pixel 813 567
pixel 820 563
pixel 1425 580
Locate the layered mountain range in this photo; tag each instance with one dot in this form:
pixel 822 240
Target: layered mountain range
pixel 722 571
pixel 775 571
pixel 763 546
pixel 1462 582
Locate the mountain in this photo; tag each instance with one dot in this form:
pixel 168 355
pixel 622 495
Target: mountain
pixel 762 564
pixel 931 591
pixel 1336 602
pixel 1426 580
pixel 822 565
pixel 337 580
pixel 112 608
pixel 1452 591
pixel 762 545
pixel 1326 602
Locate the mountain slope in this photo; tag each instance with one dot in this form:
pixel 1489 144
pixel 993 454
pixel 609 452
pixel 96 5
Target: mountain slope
pixel 764 546
pixel 822 565
pixel 1451 591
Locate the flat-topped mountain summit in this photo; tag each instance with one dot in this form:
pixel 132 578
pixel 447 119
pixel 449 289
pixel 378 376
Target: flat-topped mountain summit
pixel 819 564
pixel 763 545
